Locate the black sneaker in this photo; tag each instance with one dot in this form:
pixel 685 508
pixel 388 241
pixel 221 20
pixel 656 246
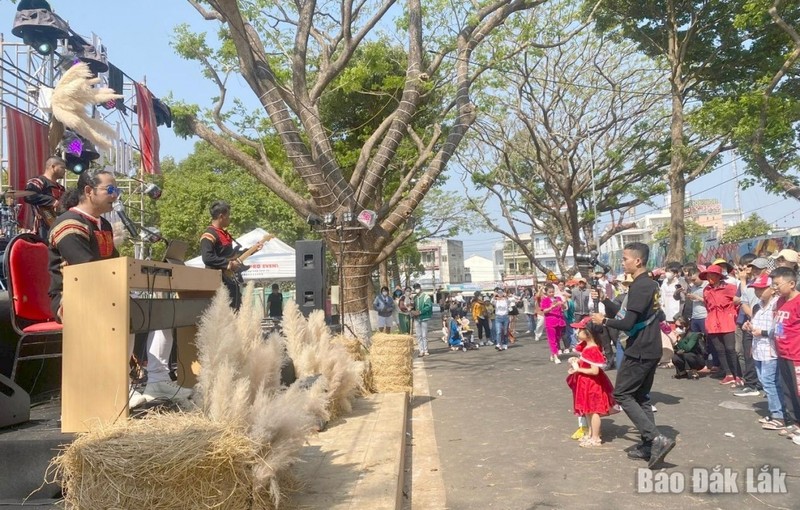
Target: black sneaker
pixel 639 453
pixel 662 445
pixel 747 391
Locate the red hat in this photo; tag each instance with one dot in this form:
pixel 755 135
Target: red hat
pixel 582 324
pixel 762 282
pixel 715 269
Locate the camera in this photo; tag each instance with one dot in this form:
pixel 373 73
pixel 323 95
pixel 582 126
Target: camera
pixel 586 262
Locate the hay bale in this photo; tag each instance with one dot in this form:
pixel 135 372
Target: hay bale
pixel 161 461
pixel 390 358
pixel 353 346
pixel 358 352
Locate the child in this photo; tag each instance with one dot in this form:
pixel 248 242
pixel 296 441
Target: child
pixel 455 341
pixel 592 390
pixel 787 345
pixel 764 355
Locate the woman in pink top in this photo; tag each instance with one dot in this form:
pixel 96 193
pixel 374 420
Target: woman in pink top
pixel 719 299
pixel 553 308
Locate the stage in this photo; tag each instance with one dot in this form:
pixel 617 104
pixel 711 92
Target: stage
pixel 26 448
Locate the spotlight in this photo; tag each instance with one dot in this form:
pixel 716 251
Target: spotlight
pixel 39 27
pixel 97 60
pixel 77 152
pixel 314 220
pixel 329 219
pixel 152 191
pixel 367 218
pixel 347 217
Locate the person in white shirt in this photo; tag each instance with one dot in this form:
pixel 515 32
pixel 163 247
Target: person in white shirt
pixel 501 309
pixel 669 304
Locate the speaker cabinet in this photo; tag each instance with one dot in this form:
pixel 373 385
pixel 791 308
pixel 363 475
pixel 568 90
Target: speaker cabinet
pixel 15 404
pixel 311 277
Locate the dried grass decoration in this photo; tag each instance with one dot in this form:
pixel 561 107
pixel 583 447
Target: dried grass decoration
pixel 237 452
pixel 161 461
pixel 390 358
pixel 313 350
pixel 358 352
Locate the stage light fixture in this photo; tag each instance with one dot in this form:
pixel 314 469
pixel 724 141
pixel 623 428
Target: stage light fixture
pixel 347 217
pixel 96 60
pixel 77 152
pixel 329 219
pixel 314 220
pixel 367 218
pixel 152 191
pixel 39 27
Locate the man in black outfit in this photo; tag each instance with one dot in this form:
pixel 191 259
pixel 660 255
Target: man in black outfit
pixel 275 302
pixel 218 250
pixel 635 375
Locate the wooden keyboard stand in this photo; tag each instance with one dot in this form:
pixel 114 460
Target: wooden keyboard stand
pixel 99 319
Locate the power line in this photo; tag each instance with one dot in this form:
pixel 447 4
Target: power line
pixel 641 215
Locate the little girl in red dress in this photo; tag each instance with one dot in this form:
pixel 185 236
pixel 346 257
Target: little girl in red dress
pixel 592 390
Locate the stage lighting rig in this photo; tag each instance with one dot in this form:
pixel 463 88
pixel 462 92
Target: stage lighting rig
pixel 77 152
pixel 38 26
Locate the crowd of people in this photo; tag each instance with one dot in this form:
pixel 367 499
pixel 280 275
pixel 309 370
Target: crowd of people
pixel 736 322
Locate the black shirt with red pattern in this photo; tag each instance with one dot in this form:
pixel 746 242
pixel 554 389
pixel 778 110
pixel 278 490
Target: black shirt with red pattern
pixel 45 194
pixel 217 248
pixel 77 238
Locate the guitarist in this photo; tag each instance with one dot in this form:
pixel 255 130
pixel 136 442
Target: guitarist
pixel 47 193
pixel 218 250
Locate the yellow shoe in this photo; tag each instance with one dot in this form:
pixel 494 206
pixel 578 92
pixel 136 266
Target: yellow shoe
pixel 582 431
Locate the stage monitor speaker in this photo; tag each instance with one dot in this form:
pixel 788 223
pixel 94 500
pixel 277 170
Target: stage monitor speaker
pixel 310 276
pixel 15 403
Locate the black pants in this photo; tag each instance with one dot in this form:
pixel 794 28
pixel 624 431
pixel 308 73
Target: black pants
pixel 749 375
pixel 687 361
pixel 483 326
pixel 607 343
pixel 725 344
pixel 789 374
pixel 234 291
pixel 632 389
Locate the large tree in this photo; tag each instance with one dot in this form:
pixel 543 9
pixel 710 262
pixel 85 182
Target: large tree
pixel 687 36
pixel 756 94
pixel 290 54
pixel 576 131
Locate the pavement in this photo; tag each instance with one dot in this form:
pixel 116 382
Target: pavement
pixel 503 422
pixel 357 461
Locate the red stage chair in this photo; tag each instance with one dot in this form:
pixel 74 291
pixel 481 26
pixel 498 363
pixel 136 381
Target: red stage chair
pixel 26 264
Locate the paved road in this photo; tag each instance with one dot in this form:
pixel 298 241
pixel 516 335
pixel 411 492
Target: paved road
pixel 503 421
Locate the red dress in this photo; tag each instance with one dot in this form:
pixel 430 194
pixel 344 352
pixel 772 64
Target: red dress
pixel 591 393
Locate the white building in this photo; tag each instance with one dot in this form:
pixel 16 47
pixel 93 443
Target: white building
pixel 480 270
pixel 517 267
pixel 443 260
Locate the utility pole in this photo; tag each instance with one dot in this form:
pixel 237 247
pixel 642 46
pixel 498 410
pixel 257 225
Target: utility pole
pixel 736 197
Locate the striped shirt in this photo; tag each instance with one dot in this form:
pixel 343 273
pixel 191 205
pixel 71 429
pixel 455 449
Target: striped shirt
pixel 764 344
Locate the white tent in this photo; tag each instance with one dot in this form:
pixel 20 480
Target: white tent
pixel 274 262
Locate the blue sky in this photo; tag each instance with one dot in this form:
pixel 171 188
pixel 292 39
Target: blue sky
pixel 137 36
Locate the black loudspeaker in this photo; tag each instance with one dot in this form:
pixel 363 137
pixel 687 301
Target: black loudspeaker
pixel 15 403
pixel 310 276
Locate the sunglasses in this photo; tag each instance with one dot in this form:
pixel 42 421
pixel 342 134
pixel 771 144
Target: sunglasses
pixel 111 189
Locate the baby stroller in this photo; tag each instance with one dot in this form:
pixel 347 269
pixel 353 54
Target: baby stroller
pixel 466 336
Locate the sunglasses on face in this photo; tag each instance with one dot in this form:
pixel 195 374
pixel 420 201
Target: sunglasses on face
pixel 111 189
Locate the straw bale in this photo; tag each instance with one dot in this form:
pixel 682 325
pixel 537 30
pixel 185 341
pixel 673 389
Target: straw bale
pixel 165 461
pixel 390 359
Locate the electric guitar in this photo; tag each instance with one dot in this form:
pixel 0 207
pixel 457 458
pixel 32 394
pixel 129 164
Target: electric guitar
pixel 48 215
pixel 236 274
